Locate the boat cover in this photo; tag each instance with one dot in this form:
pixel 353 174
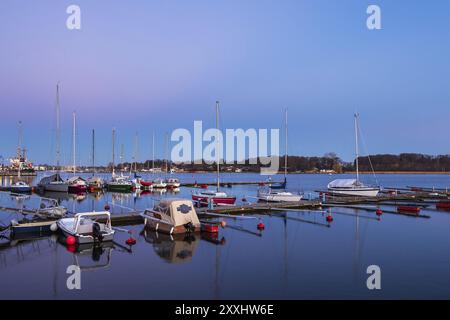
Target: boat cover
pixel 53 178
pixel 181 211
pixel 343 183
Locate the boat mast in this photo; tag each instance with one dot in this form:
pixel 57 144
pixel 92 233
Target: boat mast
pixel 153 152
pixel 74 115
pixel 58 130
pixel 93 152
pixel 167 152
pixel 217 146
pixel 356 147
pixel 19 144
pixel 113 151
pixel 286 142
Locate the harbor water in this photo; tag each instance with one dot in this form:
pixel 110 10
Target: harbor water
pixel 298 255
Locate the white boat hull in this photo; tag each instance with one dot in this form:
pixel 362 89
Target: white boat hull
pixel 362 192
pixel 279 197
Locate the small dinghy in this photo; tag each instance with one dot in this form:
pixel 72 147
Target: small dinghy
pixel 87 228
pixel 172 216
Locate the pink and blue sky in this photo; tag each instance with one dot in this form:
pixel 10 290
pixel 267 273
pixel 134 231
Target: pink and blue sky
pixel 158 65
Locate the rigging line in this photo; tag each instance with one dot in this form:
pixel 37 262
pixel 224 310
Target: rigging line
pixel 368 155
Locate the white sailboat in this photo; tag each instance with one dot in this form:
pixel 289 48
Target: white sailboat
pixel 20 186
pixel 54 182
pixel 117 183
pixel 353 187
pixel 95 183
pixel 271 194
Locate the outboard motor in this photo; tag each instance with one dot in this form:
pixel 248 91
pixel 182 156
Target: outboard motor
pixel 96 232
pixel 189 227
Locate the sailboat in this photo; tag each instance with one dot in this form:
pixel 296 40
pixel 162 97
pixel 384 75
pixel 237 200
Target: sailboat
pixel 76 184
pixel 353 187
pixel 20 186
pixel 54 182
pixel 271 194
pixel 217 197
pixel 117 183
pixel 94 183
pixel 138 182
pixel 157 183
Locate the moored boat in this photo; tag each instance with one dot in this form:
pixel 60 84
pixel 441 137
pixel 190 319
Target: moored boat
pixel 204 197
pixel 353 187
pixel 77 185
pixel 269 195
pixel 119 184
pixel 172 183
pixel 172 216
pixel 54 183
pixel 86 228
pixel 159 183
pixel 20 187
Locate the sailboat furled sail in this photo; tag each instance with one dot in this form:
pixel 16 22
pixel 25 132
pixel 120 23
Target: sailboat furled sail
pixel 353 187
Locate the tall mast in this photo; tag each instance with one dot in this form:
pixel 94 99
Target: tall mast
pixel 167 152
pixel 19 148
pixel 217 146
pixel 74 115
pixel 153 152
pixel 58 129
pixel 286 142
pixel 93 152
pixel 113 151
pixel 356 147
pixel 136 151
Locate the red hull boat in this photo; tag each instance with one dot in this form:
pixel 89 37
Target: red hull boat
pixel 218 198
pixel 77 189
pixel 443 206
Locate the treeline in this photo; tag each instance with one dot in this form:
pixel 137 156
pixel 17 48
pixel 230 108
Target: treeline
pixel 406 162
pixel 330 162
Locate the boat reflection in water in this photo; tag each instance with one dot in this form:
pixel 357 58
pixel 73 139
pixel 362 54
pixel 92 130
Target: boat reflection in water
pixel 90 256
pixel 178 248
pixel 172 248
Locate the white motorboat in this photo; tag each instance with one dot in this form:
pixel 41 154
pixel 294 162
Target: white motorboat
pixel 20 187
pixel 159 183
pixel 86 228
pixel 353 187
pixel 172 183
pixel 270 195
pixel 172 216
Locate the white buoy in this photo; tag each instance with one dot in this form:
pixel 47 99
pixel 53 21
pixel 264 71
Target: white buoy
pixel 54 227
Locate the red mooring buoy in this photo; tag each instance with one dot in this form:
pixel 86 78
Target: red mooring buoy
pixel 260 226
pixel 70 240
pixel 131 241
pixel 329 218
pixel 379 212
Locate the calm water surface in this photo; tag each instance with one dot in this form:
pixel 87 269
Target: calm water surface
pixel 290 259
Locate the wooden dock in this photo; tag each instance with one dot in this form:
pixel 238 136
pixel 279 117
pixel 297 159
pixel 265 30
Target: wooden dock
pixel 261 207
